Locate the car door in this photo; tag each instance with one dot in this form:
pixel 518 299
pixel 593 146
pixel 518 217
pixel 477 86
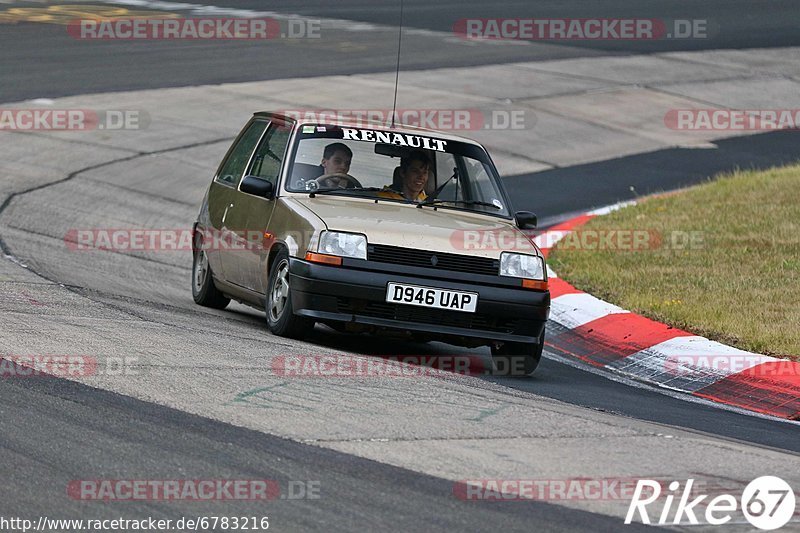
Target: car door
pixel 254 212
pixel 222 199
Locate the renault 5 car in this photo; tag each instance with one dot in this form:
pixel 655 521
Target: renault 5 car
pixel 372 229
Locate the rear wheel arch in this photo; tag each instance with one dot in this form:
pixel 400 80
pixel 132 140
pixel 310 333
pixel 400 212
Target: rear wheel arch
pixel 204 290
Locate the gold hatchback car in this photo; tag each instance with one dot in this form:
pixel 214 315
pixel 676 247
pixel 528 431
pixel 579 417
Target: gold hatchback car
pixel 372 229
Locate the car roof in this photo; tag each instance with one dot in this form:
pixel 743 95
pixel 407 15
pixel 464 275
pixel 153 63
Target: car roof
pixel 400 128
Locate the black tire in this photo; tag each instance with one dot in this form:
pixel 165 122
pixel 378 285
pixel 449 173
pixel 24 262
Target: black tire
pixel 518 359
pixel 281 320
pixel 204 291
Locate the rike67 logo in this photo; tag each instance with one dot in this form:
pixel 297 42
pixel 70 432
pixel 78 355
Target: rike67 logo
pixel 767 502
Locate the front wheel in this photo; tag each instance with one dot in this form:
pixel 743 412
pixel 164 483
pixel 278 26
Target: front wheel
pixel 280 318
pixel 517 358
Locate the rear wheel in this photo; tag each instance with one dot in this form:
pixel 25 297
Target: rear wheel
pixel 280 318
pixel 204 291
pixel 517 358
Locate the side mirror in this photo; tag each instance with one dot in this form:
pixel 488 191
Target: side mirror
pixel 525 220
pixel 257 187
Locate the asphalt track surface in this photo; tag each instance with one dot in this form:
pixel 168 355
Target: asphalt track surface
pixel 42 60
pixel 63 428
pixel 54 430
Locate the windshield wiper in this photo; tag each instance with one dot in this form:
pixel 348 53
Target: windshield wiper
pixel 329 190
pixel 464 202
pixel 432 200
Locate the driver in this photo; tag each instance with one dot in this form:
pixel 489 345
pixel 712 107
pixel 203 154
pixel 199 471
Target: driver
pixel 336 159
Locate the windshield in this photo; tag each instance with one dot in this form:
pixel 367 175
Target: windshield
pixel 394 166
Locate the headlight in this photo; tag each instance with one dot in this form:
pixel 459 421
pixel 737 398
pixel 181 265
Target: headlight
pixel 343 244
pixel 521 266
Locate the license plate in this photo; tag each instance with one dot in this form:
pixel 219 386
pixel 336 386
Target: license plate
pixel 430 297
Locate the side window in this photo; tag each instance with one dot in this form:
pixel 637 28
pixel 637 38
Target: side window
pixel 233 168
pixel 270 153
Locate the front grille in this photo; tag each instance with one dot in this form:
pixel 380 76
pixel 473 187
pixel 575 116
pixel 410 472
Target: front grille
pixel 427 259
pixel 412 313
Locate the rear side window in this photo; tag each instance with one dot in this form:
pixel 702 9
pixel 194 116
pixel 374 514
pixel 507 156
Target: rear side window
pixel 270 153
pixel 234 166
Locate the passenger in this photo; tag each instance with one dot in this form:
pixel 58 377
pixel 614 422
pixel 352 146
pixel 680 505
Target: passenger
pixel 413 173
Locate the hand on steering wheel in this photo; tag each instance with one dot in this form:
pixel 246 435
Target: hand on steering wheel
pixel 350 181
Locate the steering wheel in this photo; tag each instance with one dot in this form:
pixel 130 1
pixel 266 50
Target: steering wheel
pixel 351 182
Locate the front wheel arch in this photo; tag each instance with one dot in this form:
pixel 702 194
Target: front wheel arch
pixel 285 323
pixel 273 253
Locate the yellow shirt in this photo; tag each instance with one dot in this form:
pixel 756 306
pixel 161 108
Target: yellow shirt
pixel 388 192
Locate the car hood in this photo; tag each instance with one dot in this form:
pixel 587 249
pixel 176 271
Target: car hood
pixel 405 225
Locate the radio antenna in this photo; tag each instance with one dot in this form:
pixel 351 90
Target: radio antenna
pixel 397 70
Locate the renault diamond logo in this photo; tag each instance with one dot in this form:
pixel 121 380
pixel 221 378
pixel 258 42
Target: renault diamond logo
pixel 434 260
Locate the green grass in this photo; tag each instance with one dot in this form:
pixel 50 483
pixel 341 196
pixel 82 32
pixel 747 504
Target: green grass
pixel 740 286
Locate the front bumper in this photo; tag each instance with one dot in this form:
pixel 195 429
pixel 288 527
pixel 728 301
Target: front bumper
pixel 356 293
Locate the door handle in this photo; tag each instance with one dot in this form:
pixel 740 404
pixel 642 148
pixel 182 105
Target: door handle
pixel 225 214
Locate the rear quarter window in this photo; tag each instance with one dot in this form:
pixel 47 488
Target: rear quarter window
pixel 235 163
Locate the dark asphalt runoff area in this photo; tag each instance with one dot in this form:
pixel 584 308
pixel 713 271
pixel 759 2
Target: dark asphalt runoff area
pixel 562 191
